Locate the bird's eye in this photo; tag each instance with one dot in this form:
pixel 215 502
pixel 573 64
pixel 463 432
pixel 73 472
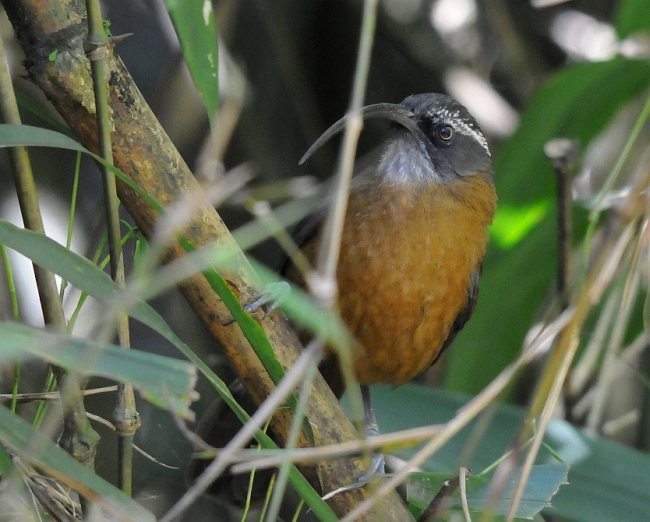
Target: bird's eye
pixel 445 132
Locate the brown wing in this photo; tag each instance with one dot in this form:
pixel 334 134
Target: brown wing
pixel 464 315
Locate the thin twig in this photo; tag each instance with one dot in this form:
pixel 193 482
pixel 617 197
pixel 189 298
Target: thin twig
pixel 613 176
pixel 108 424
pixel 52 396
pixel 271 458
pixel 550 387
pixel 462 477
pixel 322 282
pixel 563 154
pixel 440 502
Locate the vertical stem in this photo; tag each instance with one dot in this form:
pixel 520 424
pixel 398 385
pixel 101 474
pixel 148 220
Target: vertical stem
pixel 328 253
pixel 325 289
pixel 563 153
pixel 11 287
pixel 125 415
pixel 78 437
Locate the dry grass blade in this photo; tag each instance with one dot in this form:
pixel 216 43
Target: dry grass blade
pixel 383 442
pixel 52 396
pixel 607 264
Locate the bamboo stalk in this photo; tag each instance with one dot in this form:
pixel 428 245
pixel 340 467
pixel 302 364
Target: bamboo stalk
pixel 125 415
pixel 144 152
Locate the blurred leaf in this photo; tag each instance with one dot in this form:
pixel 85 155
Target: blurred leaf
pixel 5 461
pixel 29 104
pixel 42 453
pixel 195 27
pixel 512 224
pixel 576 103
pixel 12 135
pixel 544 482
pixel 84 275
pixel 632 16
pixel 606 481
pixel 166 382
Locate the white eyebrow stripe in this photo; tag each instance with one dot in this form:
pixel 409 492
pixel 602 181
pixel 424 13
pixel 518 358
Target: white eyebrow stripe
pixel 453 119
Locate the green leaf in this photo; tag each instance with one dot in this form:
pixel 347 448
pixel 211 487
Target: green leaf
pixel 576 103
pixel 166 382
pixel 31 446
pixel 195 27
pixel 632 16
pixel 606 481
pixel 12 135
pixel 543 484
pixel 513 223
pixel 5 461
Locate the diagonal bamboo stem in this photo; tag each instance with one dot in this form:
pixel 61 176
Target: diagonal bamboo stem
pixel 144 152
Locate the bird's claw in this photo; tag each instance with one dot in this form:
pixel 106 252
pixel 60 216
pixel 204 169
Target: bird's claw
pixel 268 300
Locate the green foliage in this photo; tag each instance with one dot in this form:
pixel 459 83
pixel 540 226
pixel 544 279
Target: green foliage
pixel 195 28
pixel 576 103
pixel 84 275
pixel 632 16
pixel 544 482
pixel 606 481
pixel 165 382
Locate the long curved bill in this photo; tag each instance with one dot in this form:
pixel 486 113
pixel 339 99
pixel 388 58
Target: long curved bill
pixel 389 111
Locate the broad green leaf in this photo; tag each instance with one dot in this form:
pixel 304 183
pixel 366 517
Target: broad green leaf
pixel 576 103
pixel 606 481
pixel 543 484
pixel 632 16
pixel 195 27
pixel 34 448
pixel 166 382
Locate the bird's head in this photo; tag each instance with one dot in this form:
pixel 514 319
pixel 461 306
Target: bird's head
pixel 434 139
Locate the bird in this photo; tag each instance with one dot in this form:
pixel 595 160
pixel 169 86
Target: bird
pixel 412 246
pixel 414 236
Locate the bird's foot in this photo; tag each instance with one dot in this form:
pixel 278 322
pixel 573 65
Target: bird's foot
pixel 377 468
pixel 376 471
pixel 268 300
